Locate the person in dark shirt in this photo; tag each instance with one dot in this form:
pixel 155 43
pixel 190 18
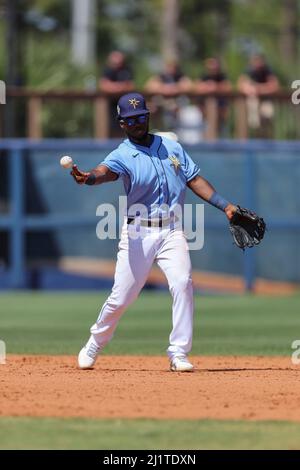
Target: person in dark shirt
pixel 258 84
pixel 168 89
pixel 214 81
pixel 117 76
pixel 259 79
pixel 170 82
pixel 117 79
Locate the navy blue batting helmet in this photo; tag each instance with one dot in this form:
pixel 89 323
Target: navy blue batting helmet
pixel 132 104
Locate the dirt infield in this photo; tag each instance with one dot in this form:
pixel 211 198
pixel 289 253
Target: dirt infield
pixel 248 388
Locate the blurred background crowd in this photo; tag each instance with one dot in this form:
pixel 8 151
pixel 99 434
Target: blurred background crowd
pixel 210 69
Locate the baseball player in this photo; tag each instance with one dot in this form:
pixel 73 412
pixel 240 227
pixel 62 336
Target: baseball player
pixel 155 172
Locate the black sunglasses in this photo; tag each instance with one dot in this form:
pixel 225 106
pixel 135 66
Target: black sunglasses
pixel 130 121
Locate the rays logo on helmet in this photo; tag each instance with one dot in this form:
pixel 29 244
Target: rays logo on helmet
pixel 134 102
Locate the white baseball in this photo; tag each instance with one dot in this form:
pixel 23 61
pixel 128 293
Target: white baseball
pixel 66 162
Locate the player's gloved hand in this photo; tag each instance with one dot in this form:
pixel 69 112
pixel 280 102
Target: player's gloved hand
pixel 246 227
pixel 79 176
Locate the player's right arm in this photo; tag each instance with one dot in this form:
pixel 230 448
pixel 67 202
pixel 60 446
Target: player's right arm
pixel 100 174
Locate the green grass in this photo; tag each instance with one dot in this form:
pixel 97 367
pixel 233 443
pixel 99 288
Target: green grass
pixel 58 323
pixel 52 433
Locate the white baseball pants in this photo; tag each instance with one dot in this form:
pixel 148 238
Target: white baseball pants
pixel 136 255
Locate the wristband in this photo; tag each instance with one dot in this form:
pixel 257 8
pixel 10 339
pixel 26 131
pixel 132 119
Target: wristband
pixel 218 201
pixel 91 179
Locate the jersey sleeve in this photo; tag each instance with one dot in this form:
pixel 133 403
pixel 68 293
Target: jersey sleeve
pixel 115 164
pixel 189 167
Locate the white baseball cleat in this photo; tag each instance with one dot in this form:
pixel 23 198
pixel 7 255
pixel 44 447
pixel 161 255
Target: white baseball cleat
pixel 181 364
pixel 88 356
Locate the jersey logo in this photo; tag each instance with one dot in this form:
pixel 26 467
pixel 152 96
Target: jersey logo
pixel 175 163
pixel 134 102
pixel 135 155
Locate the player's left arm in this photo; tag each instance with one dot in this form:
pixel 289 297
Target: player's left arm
pixel 202 188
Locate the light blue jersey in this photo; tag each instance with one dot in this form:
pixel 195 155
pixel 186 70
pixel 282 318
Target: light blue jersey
pixel 153 176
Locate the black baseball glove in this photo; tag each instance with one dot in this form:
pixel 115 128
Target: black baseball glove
pixel 247 228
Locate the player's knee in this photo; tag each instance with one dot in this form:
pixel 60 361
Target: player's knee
pixel 181 284
pixel 122 301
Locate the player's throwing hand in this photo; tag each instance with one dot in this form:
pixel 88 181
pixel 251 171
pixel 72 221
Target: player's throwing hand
pixel 79 176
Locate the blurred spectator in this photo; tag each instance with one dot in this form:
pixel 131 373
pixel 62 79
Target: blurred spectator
pixel 117 79
pixel 214 81
pixel 169 88
pixel 170 82
pixel 257 84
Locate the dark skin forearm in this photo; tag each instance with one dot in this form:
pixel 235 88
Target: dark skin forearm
pixel 102 174
pixel 202 188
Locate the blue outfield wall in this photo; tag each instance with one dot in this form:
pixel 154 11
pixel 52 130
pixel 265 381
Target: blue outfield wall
pixel 46 215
